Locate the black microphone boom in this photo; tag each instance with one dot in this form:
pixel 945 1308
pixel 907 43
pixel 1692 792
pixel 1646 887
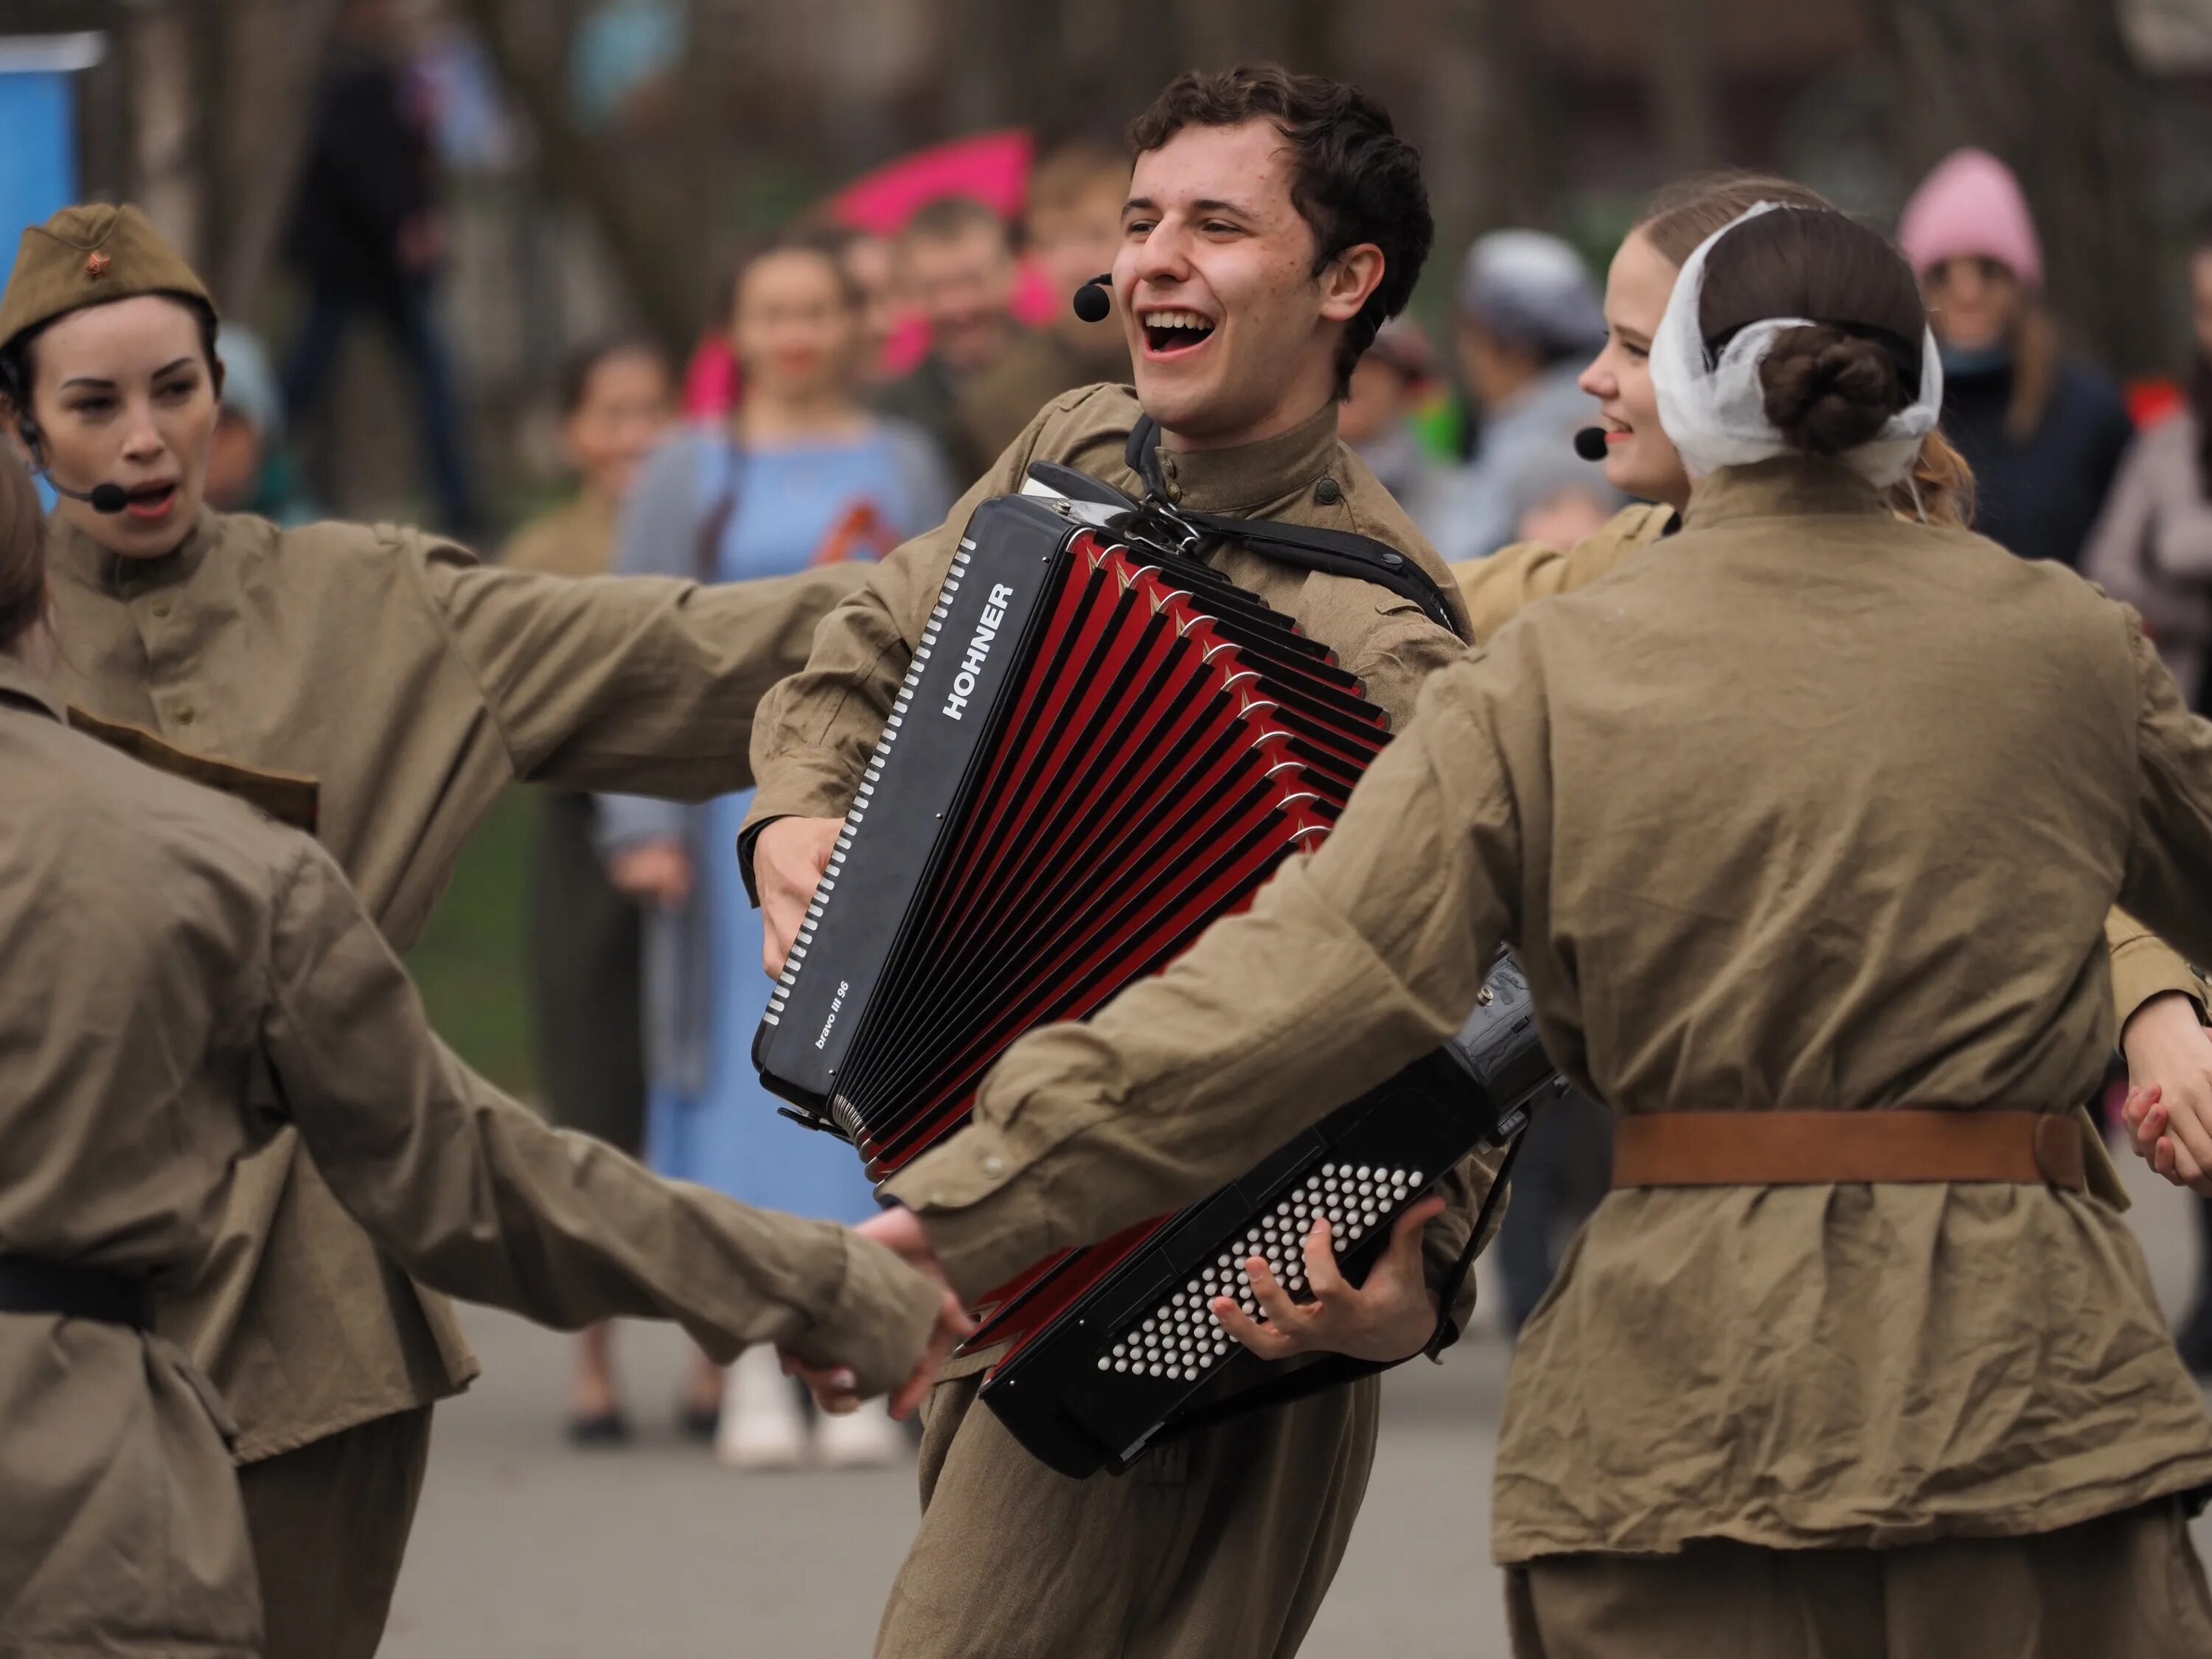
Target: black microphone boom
pixel 1589 443
pixel 1095 298
pixel 104 498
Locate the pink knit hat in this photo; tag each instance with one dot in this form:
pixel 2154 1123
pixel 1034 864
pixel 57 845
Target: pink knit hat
pixel 1970 207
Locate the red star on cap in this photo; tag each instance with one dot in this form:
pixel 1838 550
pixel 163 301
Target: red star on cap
pixel 95 264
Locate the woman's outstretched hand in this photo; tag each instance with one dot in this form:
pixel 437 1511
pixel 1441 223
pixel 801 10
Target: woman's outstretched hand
pixel 2168 1111
pixel 900 1231
pixel 1388 1318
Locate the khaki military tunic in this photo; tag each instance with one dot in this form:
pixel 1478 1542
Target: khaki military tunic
pixel 184 974
pixel 1262 1508
pixel 1781 819
pixel 1496 588
pixel 412 686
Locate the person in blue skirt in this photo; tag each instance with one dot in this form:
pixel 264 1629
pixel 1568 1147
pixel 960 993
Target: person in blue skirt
pixel 802 473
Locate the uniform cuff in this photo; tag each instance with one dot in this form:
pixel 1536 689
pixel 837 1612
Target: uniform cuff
pixel 2144 966
pixel 798 783
pixel 984 1229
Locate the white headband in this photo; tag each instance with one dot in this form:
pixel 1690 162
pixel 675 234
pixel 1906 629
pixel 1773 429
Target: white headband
pixel 1716 414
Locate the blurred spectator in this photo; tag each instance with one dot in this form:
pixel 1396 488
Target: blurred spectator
pixel 802 473
pixel 249 469
pixel 1528 320
pixel 2153 545
pixel 616 400
pixel 868 266
pixel 1376 419
pixel 2043 434
pixel 956 267
pixel 366 236
pixel 1073 230
pixel 2153 548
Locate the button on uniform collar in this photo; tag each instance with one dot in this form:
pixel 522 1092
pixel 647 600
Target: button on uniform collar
pixel 1232 480
pixel 77 555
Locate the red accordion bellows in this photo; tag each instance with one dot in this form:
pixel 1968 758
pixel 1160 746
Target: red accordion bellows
pixel 1157 761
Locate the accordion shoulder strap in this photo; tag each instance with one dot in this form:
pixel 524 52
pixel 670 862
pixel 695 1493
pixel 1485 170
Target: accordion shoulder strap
pixel 1338 552
pixel 1336 1369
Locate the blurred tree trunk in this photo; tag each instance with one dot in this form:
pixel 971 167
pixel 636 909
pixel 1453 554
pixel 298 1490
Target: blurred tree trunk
pixel 208 69
pixel 658 254
pixel 1491 135
pixel 272 62
pixel 2049 86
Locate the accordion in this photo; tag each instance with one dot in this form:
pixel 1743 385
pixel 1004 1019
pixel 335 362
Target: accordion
pixel 1100 746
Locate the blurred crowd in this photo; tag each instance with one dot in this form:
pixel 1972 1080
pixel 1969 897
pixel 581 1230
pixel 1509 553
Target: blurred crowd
pixel 860 378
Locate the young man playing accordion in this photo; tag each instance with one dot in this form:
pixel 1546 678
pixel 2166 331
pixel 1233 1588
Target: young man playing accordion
pixel 1274 221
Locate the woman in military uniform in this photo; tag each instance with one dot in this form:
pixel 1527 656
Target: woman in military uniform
pixel 186 973
pixel 404 687
pixel 1806 834
pixel 2160 1001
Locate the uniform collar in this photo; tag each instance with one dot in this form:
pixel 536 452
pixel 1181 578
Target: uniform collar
pixel 76 555
pixel 1789 486
pixel 19 685
pixel 1232 480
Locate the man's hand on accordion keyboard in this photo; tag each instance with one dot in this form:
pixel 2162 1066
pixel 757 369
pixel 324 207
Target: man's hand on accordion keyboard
pixel 1388 1318
pixel 789 856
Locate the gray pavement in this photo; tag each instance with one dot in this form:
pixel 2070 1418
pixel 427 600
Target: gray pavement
pixel 525 1547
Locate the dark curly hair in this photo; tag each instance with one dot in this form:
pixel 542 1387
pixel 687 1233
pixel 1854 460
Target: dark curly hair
pixel 1354 180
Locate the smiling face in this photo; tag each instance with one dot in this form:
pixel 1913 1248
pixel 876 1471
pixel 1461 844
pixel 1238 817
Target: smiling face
pixel 122 394
pixel 1232 335
pixel 964 287
pixel 1639 458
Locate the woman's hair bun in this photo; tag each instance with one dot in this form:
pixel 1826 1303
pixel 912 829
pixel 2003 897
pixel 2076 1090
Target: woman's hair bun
pixel 1828 390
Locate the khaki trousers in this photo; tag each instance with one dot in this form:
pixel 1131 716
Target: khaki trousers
pixel 1220 1547
pixel 2126 1586
pixel 329 1524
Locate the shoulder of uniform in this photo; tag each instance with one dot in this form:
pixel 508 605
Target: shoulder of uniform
pixel 337 538
pixel 1088 428
pixel 414 546
pixel 156 790
pixel 1380 516
pixel 1637 525
pixel 287 797
pixel 1088 413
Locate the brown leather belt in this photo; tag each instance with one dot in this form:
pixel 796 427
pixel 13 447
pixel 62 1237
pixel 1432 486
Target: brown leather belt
pixel 1799 1149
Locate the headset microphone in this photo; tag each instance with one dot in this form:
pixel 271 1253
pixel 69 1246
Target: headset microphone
pixel 1095 298
pixel 1589 443
pixel 103 498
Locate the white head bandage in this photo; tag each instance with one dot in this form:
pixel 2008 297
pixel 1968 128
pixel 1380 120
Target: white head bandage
pixel 1716 412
